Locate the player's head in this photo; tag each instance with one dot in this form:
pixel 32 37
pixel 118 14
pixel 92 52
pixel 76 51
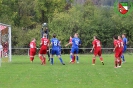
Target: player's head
pixel 45 35
pixel 115 37
pixel 76 35
pixel 123 35
pixel 119 37
pixel 54 35
pixel 95 37
pixel 33 39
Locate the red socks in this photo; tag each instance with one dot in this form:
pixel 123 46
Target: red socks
pixel 43 60
pixel 73 59
pixel 31 58
pixel 101 59
pixel 115 63
pixel 93 61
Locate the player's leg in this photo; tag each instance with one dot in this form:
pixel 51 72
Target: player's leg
pixel 70 56
pixel 41 58
pixel 77 58
pixel 59 56
pixel 122 56
pixel 41 52
pixel 100 56
pixel 44 58
pixel 48 53
pixel 116 59
pixel 119 59
pixel 31 55
pixel 94 57
pixel 51 57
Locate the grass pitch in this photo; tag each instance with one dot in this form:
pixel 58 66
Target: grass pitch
pixel 20 73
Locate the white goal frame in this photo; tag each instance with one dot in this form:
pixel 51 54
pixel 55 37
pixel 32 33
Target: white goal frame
pixel 9 41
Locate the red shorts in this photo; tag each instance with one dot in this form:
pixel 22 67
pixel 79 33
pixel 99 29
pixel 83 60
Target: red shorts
pixel 118 53
pixel 43 51
pixel 98 52
pixel 32 52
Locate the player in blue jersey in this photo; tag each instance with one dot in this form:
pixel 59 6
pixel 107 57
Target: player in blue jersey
pixel 125 42
pixel 75 47
pixel 55 49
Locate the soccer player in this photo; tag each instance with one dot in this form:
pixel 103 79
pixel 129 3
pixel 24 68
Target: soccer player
pixel 43 50
pixel 70 41
pixel 32 49
pixel 118 51
pixel 55 49
pixel 46 31
pixel 125 42
pixel 75 47
pixel 5 49
pixel 120 43
pixel 97 50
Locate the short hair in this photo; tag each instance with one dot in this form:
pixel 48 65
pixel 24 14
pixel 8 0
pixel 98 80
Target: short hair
pixel 54 35
pixel 124 34
pixel 115 37
pixel 44 35
pixel 96 37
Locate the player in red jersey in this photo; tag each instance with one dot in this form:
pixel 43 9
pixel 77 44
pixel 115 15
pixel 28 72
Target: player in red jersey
pixel 118 51
pixel 43 50
pixel 5 49
pixel 32 49
pixel 97 50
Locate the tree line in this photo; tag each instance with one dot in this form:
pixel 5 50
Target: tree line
pixel 65 18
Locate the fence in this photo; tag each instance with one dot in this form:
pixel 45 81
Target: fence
pixel 25 51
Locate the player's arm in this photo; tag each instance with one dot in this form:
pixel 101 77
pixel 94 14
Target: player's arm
pixel 92 48
pixel 126 42
pixel 79 43
pixel 68 44
pixel 115 48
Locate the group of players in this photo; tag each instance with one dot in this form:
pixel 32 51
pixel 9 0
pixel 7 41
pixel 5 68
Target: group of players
pixel 120 45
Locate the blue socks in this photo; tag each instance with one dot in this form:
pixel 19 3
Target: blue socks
pixel 77 58
pixel 61 60
pixel 122 57
pixel 52 61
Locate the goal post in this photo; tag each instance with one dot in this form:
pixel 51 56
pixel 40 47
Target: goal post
pixel 5 41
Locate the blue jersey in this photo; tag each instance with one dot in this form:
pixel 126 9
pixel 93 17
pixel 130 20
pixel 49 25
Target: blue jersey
pixel 75 42
pixel 125 41
pixel 55 43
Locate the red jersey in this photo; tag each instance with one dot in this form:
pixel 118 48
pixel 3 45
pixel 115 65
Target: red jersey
pixel 70 40
pixel 97 44
pixel 44 42
pixel 118 44
pixel 121 44
pixel 32 45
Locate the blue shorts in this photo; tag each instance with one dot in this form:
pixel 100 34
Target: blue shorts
pixel 55 52
pixel 74 50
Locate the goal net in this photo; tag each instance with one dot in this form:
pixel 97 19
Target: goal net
pixel 5 43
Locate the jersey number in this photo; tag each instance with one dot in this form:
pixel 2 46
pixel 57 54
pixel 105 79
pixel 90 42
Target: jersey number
pixel 98 44
pixel 55 43
pixel 31 45
pixel 45 42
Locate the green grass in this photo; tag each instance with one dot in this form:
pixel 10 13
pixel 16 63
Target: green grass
pixel 20 73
